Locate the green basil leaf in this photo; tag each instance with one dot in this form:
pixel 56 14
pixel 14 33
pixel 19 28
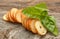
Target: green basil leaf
pixel 40 12
pixel 39 9
pixel 53 22
pixel 50 23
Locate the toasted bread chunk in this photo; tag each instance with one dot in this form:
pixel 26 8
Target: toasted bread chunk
pixel 24 23
pixel 32 26
pixel 40 29
pixel 18 16
pixel 13 13
pixel 5 17
pixel 28 23
pixel 11 19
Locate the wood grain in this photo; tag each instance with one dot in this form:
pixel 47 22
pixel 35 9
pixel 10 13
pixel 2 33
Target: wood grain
pixel 10 30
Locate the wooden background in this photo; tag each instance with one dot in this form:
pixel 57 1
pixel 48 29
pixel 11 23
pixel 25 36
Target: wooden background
pixel 10 30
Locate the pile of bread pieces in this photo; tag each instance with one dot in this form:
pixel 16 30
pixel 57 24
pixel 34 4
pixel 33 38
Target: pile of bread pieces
pixel 31 24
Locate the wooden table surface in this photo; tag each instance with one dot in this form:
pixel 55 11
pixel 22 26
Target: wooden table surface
pixel 10 30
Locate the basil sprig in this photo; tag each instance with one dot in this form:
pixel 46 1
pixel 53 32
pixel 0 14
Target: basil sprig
pixel 40 12
pixel 50 23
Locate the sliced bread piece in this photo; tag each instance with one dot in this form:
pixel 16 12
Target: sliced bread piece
pixel 40 29
pixel 32 26
pixel 11 19
pixel 13 13
pixel 18 16
pixel 5 17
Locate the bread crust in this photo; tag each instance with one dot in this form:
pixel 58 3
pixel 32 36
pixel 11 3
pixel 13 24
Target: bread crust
pixel 15 15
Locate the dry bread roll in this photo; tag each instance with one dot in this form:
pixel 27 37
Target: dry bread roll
pixel 34 25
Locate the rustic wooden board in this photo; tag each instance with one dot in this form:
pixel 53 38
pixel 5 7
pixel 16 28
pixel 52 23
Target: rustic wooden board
pixel 10 30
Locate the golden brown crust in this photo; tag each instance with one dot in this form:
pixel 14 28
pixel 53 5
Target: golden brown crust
pixel 5 17
pixel 12 15
pixel 18 16
pixel 11 19
pixel 27 23
pixel 8 16
pixel 32 27
pixel 14 11
pixel 15 15
pixel 28 26
pixel 24 23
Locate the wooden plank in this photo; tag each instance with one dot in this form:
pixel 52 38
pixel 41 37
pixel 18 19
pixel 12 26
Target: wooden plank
pixel 8 4
pixel 10 30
